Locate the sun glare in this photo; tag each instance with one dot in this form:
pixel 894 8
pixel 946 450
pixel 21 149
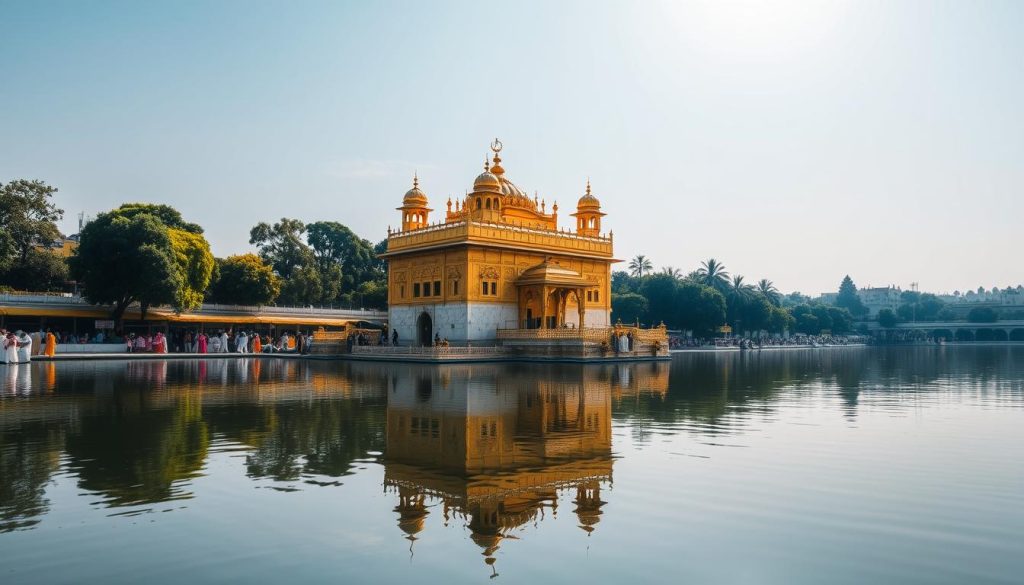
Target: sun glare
pixel 748 28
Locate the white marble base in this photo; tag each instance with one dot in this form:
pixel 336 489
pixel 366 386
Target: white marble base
pixel 458 322
pixel 593 318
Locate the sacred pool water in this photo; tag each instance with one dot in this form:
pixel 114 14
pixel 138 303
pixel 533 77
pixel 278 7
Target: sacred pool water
pixel 845 465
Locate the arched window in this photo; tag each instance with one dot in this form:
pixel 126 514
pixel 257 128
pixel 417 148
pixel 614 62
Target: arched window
pixel 497 204
pixel 478 203
pixel 488 204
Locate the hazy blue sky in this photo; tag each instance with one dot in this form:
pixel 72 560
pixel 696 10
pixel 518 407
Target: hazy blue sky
pixel 797 141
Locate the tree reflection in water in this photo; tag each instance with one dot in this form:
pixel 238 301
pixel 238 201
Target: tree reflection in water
pixel 497 445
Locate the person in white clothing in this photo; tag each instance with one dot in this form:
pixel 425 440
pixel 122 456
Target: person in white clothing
pixel 9 345
pixel 24 347
pixel 242 343
pixel 223 341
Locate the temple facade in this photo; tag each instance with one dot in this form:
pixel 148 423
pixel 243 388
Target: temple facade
pixel 496 260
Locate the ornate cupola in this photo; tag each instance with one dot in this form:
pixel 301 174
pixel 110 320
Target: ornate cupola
pixel 415 212
pixel 588 214
pixel 485 201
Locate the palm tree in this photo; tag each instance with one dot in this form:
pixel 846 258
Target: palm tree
pixel 766 288
pixel 639 265
pixel 673 272
pixel 739 290
pixel 712 273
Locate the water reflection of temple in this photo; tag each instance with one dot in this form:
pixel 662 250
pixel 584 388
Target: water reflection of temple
pixel 496 448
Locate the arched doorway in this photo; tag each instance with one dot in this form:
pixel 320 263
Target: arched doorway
pixel 424 329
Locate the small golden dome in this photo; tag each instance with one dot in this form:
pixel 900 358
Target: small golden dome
pixel 414 196
pixel 588 201
pixel 487 182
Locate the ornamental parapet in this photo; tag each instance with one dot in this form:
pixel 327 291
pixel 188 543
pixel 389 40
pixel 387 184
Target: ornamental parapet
pixel 592 334
pixel 487 233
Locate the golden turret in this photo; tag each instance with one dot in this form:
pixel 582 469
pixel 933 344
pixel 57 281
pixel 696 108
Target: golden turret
pixel 415 213
pixel 588 214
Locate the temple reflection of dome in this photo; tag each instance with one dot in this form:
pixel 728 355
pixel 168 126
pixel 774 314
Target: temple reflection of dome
pixel 498 449
pixel 412 511
pixel 588 505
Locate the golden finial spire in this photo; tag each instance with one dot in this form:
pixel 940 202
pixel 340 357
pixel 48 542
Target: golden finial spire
pixel 588 186
pixel 415 180
pixel 496 147
pixel 487 164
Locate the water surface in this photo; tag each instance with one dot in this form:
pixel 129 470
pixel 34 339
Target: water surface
pixel 846 465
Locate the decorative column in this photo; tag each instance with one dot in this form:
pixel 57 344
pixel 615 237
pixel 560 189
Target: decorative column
pixel 580 303
pixel 544 307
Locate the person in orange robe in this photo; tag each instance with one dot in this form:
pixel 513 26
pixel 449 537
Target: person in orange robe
pixel 51 343
pixel 257 346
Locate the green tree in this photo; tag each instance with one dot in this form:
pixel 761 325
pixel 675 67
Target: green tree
pixel 842 320
pixel 122 260
pixel 640 265
pixel 281 245
pixel 303 287
pixel 756 314
pixel 334 244
pixel 887 318
pixel 766 289
pixel 629 307
pixel 624 282
pixel 737 296
pixel 660 292
pixel 41 271
pixel 780 320
pixel 194 262
pixel 916 306
pixel 371 294
pixel 27 219
pixel 712 273
pixel 167 215
pixel 824 317
pixel 245 280
pixel 804 320
pixel 982 315
pixel 699 308
pixel 672 271
pixel 849 299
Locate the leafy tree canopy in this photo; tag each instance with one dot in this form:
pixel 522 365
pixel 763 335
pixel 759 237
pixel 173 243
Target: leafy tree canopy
pixel 121 260
pixel 699 308
pixel 27 218
pixel 246 280
pixel 281 245
pixel 629 307
pixel 849 299
pixel 194 262
pixel 887 318
pixel 167 215
pixel 982 315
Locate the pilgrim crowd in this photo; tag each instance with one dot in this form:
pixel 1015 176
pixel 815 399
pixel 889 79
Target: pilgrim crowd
pixel 19 346
pixel 221 341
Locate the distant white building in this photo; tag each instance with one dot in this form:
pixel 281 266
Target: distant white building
pixel 876 299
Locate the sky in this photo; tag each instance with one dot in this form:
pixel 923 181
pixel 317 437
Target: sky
pixel 793 141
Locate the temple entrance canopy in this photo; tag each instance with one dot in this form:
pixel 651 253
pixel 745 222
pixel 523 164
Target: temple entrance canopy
pixel 544 292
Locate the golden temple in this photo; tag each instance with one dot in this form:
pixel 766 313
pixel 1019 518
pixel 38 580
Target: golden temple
pixel 497 260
